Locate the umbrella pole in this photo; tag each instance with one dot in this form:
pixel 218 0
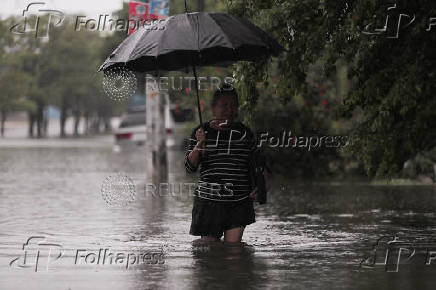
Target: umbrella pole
pixel 203 152
pixel 198 97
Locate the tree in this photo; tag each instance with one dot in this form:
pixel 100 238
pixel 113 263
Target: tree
pixel 390 104
pixel 12 97
pixel 394 83
pixel 292 93
pixel 69 73
pixel 15 71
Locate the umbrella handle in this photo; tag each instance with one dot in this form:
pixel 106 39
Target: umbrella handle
pixel 198 97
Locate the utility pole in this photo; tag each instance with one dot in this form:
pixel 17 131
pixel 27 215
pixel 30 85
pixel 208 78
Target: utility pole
pixel 200 5
pixel 156 149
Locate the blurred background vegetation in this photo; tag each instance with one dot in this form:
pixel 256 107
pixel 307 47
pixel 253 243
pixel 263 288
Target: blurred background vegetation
pixel 333 80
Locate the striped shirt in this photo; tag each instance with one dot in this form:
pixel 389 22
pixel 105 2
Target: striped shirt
pixel 224 171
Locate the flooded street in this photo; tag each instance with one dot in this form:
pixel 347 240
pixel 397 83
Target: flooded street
pixel 305 237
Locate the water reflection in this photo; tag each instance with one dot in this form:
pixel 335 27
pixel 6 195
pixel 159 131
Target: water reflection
pixel 232 265
pixel 306 237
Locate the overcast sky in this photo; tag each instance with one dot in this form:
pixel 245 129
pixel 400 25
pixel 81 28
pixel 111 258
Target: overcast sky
pixel 74 7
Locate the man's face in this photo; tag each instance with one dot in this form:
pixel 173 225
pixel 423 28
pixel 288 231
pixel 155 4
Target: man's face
pixel 225 108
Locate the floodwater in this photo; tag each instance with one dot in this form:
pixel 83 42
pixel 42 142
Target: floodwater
pixel 306 237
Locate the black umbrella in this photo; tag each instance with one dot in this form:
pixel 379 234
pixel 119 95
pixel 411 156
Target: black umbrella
pixel 192 39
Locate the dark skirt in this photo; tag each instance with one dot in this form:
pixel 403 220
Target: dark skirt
pixel 212 218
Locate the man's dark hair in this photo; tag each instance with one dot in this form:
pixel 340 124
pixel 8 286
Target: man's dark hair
pixel 224 90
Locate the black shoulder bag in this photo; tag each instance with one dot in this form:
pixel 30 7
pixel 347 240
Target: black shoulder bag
pixel 257 168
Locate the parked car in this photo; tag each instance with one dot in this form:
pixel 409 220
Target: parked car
pixel 132 130
pixel 179 116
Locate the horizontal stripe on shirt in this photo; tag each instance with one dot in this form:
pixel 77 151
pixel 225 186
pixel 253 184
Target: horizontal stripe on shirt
pixel 224 172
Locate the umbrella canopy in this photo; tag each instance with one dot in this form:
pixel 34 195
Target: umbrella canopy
pixel 198 38
pixel 192 39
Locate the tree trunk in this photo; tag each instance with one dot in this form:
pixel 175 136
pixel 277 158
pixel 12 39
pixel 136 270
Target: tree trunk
pixel 31 117
pixel 63 119
pixel 86 123
pixel 76 122
pixel 107 124
pixel 2 125
pixel 45 126
pixel 39 119
pixel 95 125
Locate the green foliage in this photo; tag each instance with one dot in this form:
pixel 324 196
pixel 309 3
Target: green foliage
pixel 388 110
pixel 68 67
pixel 393 87
pixel 60 70
pixel 178 6
pixel 291 93
pixel 14 89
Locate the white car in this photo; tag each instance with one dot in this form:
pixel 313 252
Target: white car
pixel 179 117
pixel 132 131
